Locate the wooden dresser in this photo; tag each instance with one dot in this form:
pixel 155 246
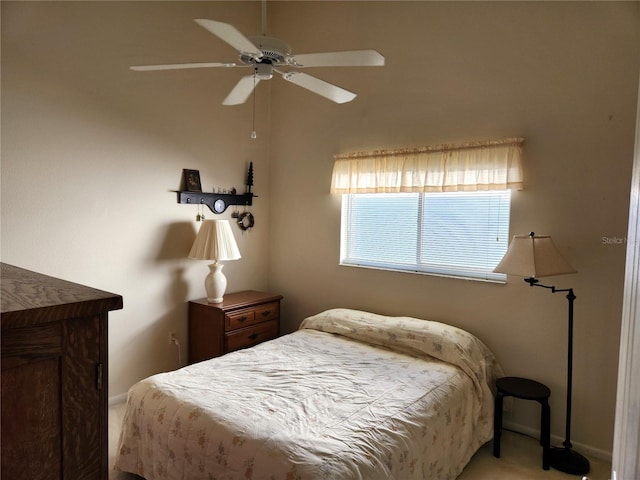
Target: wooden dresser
pixel 243 319
pixel 54 377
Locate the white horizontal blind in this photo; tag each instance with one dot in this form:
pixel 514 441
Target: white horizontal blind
pixel 461 234
pixel 381 229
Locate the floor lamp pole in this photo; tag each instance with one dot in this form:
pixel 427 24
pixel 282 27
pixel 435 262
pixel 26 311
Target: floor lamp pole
pixel 570 297
pixel 564 458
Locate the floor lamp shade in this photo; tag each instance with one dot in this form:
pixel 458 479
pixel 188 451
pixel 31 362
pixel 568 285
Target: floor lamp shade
pixel 534 256
pixel 215 241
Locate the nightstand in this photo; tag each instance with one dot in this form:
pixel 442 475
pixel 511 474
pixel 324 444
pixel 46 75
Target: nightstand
pixel 241 320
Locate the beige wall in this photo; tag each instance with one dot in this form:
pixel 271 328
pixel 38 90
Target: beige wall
pixel 562 75
pixel 91 152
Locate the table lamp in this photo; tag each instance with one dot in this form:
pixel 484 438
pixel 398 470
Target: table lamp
pixel 215 242
pixel 532 256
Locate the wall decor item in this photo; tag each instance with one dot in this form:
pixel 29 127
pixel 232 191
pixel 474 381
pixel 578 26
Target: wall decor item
pixel 217 202
pixel 250 177
pixel 200 215
pixel 192 180
pixel 245 221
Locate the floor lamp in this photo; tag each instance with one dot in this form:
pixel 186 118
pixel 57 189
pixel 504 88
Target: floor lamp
pixel 532 256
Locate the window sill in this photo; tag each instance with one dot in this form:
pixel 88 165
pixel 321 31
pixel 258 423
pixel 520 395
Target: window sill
pixel 430 274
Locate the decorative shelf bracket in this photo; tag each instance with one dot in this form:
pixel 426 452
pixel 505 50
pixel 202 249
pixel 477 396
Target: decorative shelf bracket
pixel 217 202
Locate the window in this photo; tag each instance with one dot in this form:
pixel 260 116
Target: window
pixel 462 234
pixel 440 209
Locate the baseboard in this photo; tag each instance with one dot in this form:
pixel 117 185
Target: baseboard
pixel 118 399
pixel 593 452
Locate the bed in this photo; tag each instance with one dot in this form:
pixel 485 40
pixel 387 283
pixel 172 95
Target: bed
pixel 349 395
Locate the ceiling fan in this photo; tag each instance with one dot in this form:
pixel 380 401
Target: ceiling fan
pixel 266 55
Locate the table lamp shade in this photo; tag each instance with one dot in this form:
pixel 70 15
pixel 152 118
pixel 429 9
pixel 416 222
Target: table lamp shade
pixel 215 241
pixel 533 256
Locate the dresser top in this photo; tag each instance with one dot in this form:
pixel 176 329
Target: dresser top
pixel 28 297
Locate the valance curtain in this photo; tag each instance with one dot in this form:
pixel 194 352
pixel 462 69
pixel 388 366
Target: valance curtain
pixel 490 165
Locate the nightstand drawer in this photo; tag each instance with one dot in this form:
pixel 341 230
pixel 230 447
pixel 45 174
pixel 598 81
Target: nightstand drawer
pixel 240 319
pixel 251 316
pixel 248 337
pixel 268 311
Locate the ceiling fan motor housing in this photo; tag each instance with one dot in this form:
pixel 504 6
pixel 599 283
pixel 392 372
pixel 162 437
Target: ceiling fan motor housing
pixel 274 51
pixel 263 71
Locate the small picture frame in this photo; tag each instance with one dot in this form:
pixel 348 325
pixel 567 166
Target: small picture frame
pixel 192 180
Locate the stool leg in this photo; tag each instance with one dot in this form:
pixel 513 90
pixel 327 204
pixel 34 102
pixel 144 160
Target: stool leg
pixel 545 432
pixel 497 424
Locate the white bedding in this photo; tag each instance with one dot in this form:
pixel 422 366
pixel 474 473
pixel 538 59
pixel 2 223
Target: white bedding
pixel 350 395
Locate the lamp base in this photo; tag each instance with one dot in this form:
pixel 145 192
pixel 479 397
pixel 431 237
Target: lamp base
pixel 215 283
pixel 568 461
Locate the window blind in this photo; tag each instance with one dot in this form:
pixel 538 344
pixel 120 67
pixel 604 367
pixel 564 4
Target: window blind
pixel 460 234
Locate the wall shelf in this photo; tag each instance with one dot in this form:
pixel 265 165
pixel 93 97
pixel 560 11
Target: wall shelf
pixel 217 202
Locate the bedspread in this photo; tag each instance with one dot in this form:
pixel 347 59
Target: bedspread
pixel 314 405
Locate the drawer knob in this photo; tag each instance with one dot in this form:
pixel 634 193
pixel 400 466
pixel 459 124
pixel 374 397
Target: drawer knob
pixel 266 313
pixel 253 336
pixel 242 319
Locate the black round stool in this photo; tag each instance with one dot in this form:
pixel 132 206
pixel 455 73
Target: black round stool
pixel 527 390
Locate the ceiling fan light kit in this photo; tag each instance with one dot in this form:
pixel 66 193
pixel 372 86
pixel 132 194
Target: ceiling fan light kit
pixel 267 55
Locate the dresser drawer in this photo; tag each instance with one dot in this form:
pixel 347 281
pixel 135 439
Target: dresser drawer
pixel 251 316
pixel 247 337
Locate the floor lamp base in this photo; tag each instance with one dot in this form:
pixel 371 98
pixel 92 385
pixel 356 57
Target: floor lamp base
pixel 568 461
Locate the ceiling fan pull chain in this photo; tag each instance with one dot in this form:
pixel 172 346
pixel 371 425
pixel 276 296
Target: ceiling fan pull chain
pixel 254 135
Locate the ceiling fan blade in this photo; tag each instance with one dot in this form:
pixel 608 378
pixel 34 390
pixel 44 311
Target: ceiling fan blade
pixel 326 89
pixel 179 66
pixel 231 35
pixel 352 58
pixel 242 90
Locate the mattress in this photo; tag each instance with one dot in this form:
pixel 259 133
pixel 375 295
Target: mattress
pixel 350 395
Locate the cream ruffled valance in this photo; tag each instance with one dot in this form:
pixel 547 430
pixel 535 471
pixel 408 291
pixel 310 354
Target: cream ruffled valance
pixel 489 165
